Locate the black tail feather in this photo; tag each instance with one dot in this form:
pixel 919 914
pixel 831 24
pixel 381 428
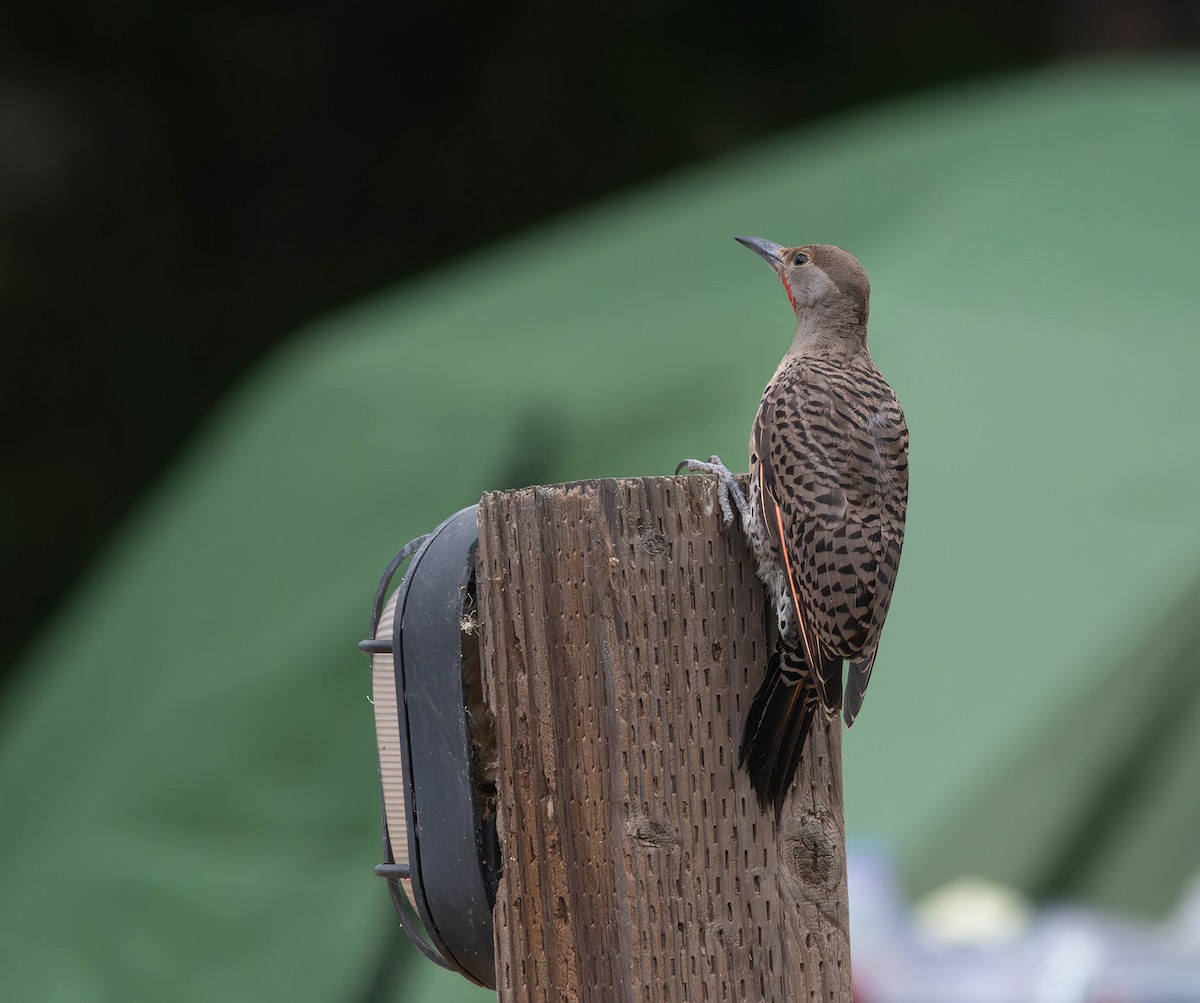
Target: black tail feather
pixel 780 718
pixel 856 689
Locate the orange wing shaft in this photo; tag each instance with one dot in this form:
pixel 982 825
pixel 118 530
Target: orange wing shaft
pixel 791 579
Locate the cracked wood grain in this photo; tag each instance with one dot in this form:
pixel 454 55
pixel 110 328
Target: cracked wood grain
pixel 623 637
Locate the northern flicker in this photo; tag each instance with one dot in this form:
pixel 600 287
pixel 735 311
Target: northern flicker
pixel 825 515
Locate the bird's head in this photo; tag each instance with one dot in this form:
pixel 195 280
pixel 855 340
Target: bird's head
pixel 818 278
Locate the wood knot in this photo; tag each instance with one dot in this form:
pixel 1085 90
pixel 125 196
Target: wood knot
pixel 641 828
pixel 811 850
pixel 656 544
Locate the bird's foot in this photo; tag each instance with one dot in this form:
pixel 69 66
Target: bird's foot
pixel 729 492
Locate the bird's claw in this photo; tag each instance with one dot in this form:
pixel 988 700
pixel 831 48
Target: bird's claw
pixel 729 492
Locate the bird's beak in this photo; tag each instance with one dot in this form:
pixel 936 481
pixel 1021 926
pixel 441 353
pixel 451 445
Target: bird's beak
pixel 768 249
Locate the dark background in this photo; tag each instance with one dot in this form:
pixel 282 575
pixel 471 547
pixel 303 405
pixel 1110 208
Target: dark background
pixel 181 185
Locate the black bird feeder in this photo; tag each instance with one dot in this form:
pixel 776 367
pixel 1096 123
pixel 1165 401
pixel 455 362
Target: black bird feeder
pixel 436 751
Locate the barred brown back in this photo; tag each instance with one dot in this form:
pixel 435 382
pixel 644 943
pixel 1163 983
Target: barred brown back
pixel 832 451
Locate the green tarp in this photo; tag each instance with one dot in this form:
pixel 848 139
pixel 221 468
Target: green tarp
pixel 187 778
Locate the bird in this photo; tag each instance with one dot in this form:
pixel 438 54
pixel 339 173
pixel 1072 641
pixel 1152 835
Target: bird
pixel 825 510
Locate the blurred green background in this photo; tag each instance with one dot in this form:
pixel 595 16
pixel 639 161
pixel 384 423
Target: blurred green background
pixel 186 762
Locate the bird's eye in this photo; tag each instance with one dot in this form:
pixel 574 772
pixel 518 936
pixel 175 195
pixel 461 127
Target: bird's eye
pixel 800 259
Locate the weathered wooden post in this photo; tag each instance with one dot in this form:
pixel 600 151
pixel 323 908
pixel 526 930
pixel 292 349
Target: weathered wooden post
pixel 623 637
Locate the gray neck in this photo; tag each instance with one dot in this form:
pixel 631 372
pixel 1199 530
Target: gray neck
pixel 821 331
